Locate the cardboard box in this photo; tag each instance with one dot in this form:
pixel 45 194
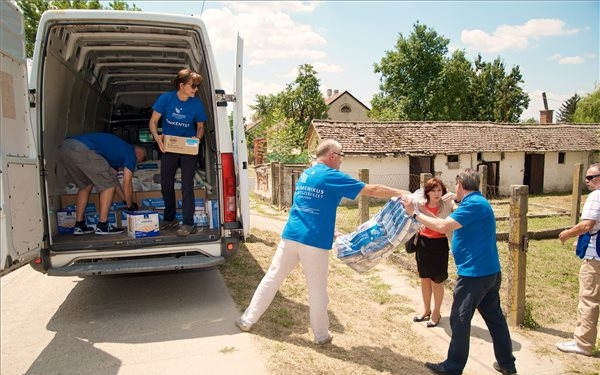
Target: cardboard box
pixel 65 220
pixel 178 216
pixel 139 196
pixel 70 200
pixel 91 207
pixel 122 214
pixel 181 145
pixel 142 224
pixel 198 204
pixel 212 213
pixel 154 203
pixel 92 218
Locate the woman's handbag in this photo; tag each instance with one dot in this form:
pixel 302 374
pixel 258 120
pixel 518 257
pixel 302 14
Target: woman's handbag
pixel 411 244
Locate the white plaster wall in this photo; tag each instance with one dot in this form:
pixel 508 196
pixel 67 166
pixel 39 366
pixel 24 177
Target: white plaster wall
pixel 559 177
pixel 393 171
pixel 390 171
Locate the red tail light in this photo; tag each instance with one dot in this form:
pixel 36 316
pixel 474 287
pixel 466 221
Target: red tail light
pixel 229 188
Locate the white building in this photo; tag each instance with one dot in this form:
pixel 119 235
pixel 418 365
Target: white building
pixel 538 155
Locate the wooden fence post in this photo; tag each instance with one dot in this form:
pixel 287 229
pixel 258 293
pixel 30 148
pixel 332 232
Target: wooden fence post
pixel 363 201
pixel 576 195
pixel 483 171
pixel 423 179
pixel 280 186
pixel 517 251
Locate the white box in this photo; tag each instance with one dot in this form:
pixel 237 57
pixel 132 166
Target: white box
pixel 66 221
pixel 141 224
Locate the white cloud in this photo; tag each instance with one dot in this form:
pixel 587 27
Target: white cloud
pixel 514 37
pixel 268 30
pixel 567 60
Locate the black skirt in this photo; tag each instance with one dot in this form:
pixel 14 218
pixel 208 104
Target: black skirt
pixel 432 258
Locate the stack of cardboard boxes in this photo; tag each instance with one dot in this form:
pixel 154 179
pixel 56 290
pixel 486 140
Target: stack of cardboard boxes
pixel 152 208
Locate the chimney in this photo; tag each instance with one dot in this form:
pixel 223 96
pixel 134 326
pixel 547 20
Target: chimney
pixel 328 93
pixel 546 114
pixel 336 91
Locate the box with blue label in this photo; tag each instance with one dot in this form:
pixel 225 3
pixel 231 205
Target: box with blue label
pixel 92 218
pixel 66 221
pixel 212 213
pixel 178 216
pixel 142 224
pixel 181 145
pixel 91 207
pixel 118 205
pixel 155 203
pixel 198 204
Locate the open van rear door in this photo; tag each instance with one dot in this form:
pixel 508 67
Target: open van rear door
pixel 239 139
pixel 21 221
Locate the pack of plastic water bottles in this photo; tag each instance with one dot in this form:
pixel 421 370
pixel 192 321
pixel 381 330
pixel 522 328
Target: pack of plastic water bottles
pixel 376 238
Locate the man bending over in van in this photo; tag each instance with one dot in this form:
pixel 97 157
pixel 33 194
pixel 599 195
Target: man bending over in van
pixel 93 159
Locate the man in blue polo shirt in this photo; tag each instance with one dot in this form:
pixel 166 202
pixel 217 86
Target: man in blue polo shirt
pixel 478 266
pixel 308 236
pixel 93 159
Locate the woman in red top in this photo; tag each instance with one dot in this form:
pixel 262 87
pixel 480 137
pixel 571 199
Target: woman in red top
pixel 432 251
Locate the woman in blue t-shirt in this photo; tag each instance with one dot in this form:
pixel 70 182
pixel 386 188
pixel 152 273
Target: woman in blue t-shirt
pixel 183 115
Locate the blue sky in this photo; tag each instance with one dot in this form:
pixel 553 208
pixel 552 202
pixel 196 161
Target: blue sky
pixel 555 43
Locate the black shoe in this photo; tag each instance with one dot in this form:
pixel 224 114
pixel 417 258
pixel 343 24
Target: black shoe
pixel 497 367
pixel 79 230
pixel 109 229
pixel 437 368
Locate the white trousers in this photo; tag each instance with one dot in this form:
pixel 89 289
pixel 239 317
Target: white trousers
pixel 315 263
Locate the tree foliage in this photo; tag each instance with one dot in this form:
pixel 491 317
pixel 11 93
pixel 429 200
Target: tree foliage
pixel 419 82
pixel 33 9
pixel 284 118
pixel 588 108
pixel 567 109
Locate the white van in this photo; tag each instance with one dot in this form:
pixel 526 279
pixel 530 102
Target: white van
pixel 96 70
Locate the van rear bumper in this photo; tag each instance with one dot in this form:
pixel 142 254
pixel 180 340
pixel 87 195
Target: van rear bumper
pixel 113 267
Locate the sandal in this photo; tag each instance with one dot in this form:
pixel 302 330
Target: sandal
pixel 431 324
pixel 422 318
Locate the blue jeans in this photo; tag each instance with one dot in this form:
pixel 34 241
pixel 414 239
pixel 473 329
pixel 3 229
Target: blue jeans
pixel 482 294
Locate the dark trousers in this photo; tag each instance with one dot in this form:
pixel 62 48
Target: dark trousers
pixel 168 167
pixel 481 294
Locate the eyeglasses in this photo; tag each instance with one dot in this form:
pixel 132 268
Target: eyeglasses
pixel 590 178
pixel 192 85
pixel 340 154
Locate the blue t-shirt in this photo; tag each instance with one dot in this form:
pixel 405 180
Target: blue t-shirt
pixel 319 191
pixel 116 151
pixel 179 118
pixel 474 245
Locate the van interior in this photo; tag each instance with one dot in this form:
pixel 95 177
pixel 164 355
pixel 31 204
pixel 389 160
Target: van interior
pixel 100 76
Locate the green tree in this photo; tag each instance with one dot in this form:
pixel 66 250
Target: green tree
pixel 33 9
pixel 588 108
pixel 567 109
pixel 409 75
pixel 419 82
pixel 497 96
pixel 284 118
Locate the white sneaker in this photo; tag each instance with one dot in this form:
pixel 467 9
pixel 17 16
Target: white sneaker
pixel 325 341
pixel 243 326
pixel 571 347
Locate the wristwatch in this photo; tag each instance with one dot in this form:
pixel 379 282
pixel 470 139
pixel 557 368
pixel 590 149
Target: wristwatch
pixel 414 216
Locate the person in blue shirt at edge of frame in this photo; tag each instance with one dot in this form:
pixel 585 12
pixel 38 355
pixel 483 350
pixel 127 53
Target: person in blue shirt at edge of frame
pixel 308 236
pixel 478 266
